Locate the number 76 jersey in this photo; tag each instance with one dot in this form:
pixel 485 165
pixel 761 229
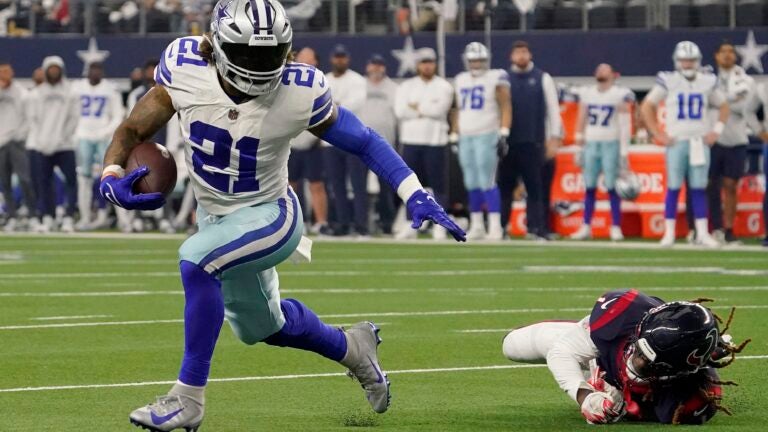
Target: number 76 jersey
pixel 686 102
pixel 237 153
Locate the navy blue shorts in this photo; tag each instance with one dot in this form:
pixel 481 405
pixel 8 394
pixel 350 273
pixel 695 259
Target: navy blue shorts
pixel 306 164
pixel 728 161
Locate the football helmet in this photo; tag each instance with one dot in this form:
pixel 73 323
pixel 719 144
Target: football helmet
pixel 475 51
pixel 251 40
pixel 674 339
pixel 628 186
pixel 687 50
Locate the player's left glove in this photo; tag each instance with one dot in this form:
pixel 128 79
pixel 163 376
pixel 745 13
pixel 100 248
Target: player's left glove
pixel 601 408
pixel 117 188
pixel 502 146
pixel 423 206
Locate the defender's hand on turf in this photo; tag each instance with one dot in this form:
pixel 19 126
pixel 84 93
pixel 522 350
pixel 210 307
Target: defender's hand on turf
pixel 601 408
pixel 119 191
pixel 423 206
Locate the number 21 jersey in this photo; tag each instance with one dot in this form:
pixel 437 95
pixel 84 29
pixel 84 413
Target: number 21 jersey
pixel 237 153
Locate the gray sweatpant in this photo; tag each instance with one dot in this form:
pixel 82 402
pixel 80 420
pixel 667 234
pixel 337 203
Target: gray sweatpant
pixel 13 159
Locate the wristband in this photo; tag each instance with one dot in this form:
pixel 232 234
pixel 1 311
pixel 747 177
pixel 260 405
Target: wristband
pixel 504 131
pixel 409 186
pixel 719 128
pixel 114 170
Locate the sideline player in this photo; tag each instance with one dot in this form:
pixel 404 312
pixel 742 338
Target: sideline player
pixel 240 102
pixel 686 92
pixel 603 130
pixel 649 360
pixel 484 119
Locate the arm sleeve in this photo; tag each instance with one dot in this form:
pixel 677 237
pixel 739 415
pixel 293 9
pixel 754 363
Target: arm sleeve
pixel 351 135
pixel 402 110
pixel 554 123
pixel 439 110
pixel 569 358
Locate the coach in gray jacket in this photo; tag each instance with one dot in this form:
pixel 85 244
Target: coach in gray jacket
pixel 13 155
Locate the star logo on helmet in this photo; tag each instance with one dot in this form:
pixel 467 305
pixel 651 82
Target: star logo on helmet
pixel 222 11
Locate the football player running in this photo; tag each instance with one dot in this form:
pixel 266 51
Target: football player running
pixel 603 131
pixel 686 92
pixel 646 360
pixel 484 119
pixel 240 103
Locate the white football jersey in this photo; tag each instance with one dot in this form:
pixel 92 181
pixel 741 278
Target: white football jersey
pixel 237 153
pixel 101 109
pixel 602 111
pixel 476 99
pixel 686 102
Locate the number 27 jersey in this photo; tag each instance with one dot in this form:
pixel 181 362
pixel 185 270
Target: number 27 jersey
pixel 237 154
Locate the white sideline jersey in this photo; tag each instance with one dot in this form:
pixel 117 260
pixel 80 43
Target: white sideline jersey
pixel 237 154
pixel 686 102
pixel 602 111
pixel 101 109
pixel 476 98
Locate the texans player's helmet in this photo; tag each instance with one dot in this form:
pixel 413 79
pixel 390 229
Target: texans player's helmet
pixel 251 40
pixel 674 339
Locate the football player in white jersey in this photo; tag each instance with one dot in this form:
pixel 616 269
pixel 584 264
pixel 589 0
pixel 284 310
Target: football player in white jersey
pixel 240 102
pixel 484 118
pixel 101 111
pixel 687 93
pixel 603 131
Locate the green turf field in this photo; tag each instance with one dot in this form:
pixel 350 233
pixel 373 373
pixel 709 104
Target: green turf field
pixel 427 298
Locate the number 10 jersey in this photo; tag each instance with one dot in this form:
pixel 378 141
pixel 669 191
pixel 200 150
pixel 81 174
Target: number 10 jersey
pixel 237 153
pixel 686 102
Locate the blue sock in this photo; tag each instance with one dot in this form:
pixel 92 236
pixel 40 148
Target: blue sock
pixel 203 317
pixel 670 204
pixel 589 205
pixel 493 198
pixel 305 331
pixel 699 203
pixel 476 198
pixel 615 207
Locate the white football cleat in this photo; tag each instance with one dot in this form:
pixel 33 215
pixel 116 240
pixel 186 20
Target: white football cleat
pixel 10 225
pixel 169 413
pixel 616 234
pixel 68 225
pixel 406 233
pixel 584 233
pixel 439 232
pixel 668 240
pixel 706 240
pixel 495 233
pixel 46 226
pixel 476 233
pixel 362 360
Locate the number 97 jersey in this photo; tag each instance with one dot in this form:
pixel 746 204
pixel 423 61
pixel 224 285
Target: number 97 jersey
pixel 686 102
pixel 237 153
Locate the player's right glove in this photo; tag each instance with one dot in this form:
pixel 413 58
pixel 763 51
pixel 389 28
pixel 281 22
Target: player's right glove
pixel 602 408
pixel 422 206
pixel 117 188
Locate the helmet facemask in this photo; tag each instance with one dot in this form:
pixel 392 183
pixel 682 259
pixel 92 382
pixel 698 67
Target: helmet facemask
pixel 476 59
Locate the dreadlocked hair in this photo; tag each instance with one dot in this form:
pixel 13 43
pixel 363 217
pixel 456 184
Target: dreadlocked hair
pixel 723 355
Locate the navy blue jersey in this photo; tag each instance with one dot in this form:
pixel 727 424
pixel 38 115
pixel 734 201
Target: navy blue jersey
pixel 613 320
pixel 612 323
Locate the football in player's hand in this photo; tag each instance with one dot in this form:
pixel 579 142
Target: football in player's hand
pixel 162 168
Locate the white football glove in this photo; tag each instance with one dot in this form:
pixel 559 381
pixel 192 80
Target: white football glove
pixel 602 408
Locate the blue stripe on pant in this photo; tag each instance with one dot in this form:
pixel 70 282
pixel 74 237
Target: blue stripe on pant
pixel 242 249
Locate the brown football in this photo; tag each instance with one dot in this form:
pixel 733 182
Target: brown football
pixel 162 168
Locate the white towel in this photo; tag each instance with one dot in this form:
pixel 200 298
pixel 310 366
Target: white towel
pixel 696 156
pixel 303 253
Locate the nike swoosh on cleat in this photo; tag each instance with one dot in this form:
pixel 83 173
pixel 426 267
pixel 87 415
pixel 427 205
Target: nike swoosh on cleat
pixel 160 420
pixel 378 372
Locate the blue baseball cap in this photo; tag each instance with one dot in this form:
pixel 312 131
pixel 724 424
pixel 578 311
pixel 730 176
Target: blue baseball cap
pixel 377 59
pixel 340 51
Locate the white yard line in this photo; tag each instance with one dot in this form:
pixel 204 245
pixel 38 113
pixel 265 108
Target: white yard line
pixel 69 317
pixel 346 315
pixel 642 269
pixel 297 376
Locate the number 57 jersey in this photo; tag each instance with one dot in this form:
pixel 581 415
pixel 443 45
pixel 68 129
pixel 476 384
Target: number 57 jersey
pixel 237 153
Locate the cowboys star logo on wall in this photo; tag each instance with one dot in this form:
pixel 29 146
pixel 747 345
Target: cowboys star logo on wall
pixel 406 57
pixel 92 55
pixel 752 53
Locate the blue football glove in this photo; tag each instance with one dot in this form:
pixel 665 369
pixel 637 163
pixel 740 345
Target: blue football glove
pixel 423 206
pixel 119 191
